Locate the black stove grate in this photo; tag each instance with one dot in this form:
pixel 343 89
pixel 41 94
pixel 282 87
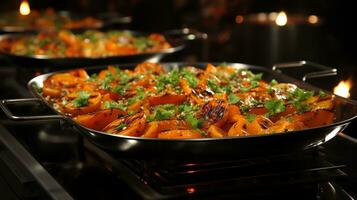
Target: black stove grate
pixel 280 174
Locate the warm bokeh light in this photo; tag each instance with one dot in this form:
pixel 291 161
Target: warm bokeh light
pixel 191 190
pixel 239 19
pixel 313 19
pixel 281 19
pixel 273 16
pixel 262 17
pixel 25 8
pixel 343 89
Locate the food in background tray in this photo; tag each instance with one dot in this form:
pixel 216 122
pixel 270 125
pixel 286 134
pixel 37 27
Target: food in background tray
pixel 187 102
pixel 89 44
pixel 46 20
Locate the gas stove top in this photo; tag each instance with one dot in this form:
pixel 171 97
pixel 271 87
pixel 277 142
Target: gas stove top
pixel 50 160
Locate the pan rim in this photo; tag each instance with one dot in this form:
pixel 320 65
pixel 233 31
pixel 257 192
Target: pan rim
pixel 237 65
pixel 173 49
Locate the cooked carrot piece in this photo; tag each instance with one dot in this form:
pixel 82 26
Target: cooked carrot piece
pixel 151 130
pixel 135 107
pixel 326 105
pixel 232 111
pixel 100 119
pixel 165 125
pixel 315 118
pixel 258 111
pixel 148 67
pixel 135 129
pixel 210 68
pixel 185 87
pixel 239 128
pixel 94 103
pixel 280 126
pixel 216 132
pixel 166 99
pixel 215 112
pixel 51 91
pixel 180 134
pixel 290 109
pixel 133 125
pixel 254 128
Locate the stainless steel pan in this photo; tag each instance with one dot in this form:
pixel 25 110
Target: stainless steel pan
pixel 177 39
pixel 230 147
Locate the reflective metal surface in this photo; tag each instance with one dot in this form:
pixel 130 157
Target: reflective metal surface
pixel 230 147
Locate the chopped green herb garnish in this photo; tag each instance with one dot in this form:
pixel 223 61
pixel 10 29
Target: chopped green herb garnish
pixel 140 95
pixel 233 99
pixel 123 76
pixel 233 75
pixel 120 89
pixel 300 95
pixel 193 121
pixel 290 119
pixel 273 82
pixel 36 88
pixel 82 99
pixel 93 77
pixel 121 126
pixel 301 107
pixel 114 105
pixel 185 108
pixel 202 133
pixel 250 117
pixel 256 77
pixel 274 106
pixel 190 78
pixel 253 84
pixel 172 78
pixel 322 94
pixel 143 43
pixel 244 109
pixel 163 112
pixel 214 86
pixel 245 72
pixel 109 77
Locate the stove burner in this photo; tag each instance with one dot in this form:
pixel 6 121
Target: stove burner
pixel 254 178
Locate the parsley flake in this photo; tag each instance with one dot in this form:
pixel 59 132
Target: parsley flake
pixel 233 99
pixel 214 86
pixel 274 107
pixel 121 126
pixel 82 99
pixel 250 117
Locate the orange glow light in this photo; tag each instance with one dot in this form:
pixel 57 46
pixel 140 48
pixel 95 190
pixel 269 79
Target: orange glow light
pixel 313 19
pixel 239 19
pixel 343 88
pixel 191 190
pixel 281 19
pixel 24 8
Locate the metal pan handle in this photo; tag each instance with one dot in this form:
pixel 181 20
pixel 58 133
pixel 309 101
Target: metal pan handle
pixel 325 71
pixel 9 114
pixel 187 34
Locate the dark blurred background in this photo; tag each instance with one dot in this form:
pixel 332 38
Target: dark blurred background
pixel 240 30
